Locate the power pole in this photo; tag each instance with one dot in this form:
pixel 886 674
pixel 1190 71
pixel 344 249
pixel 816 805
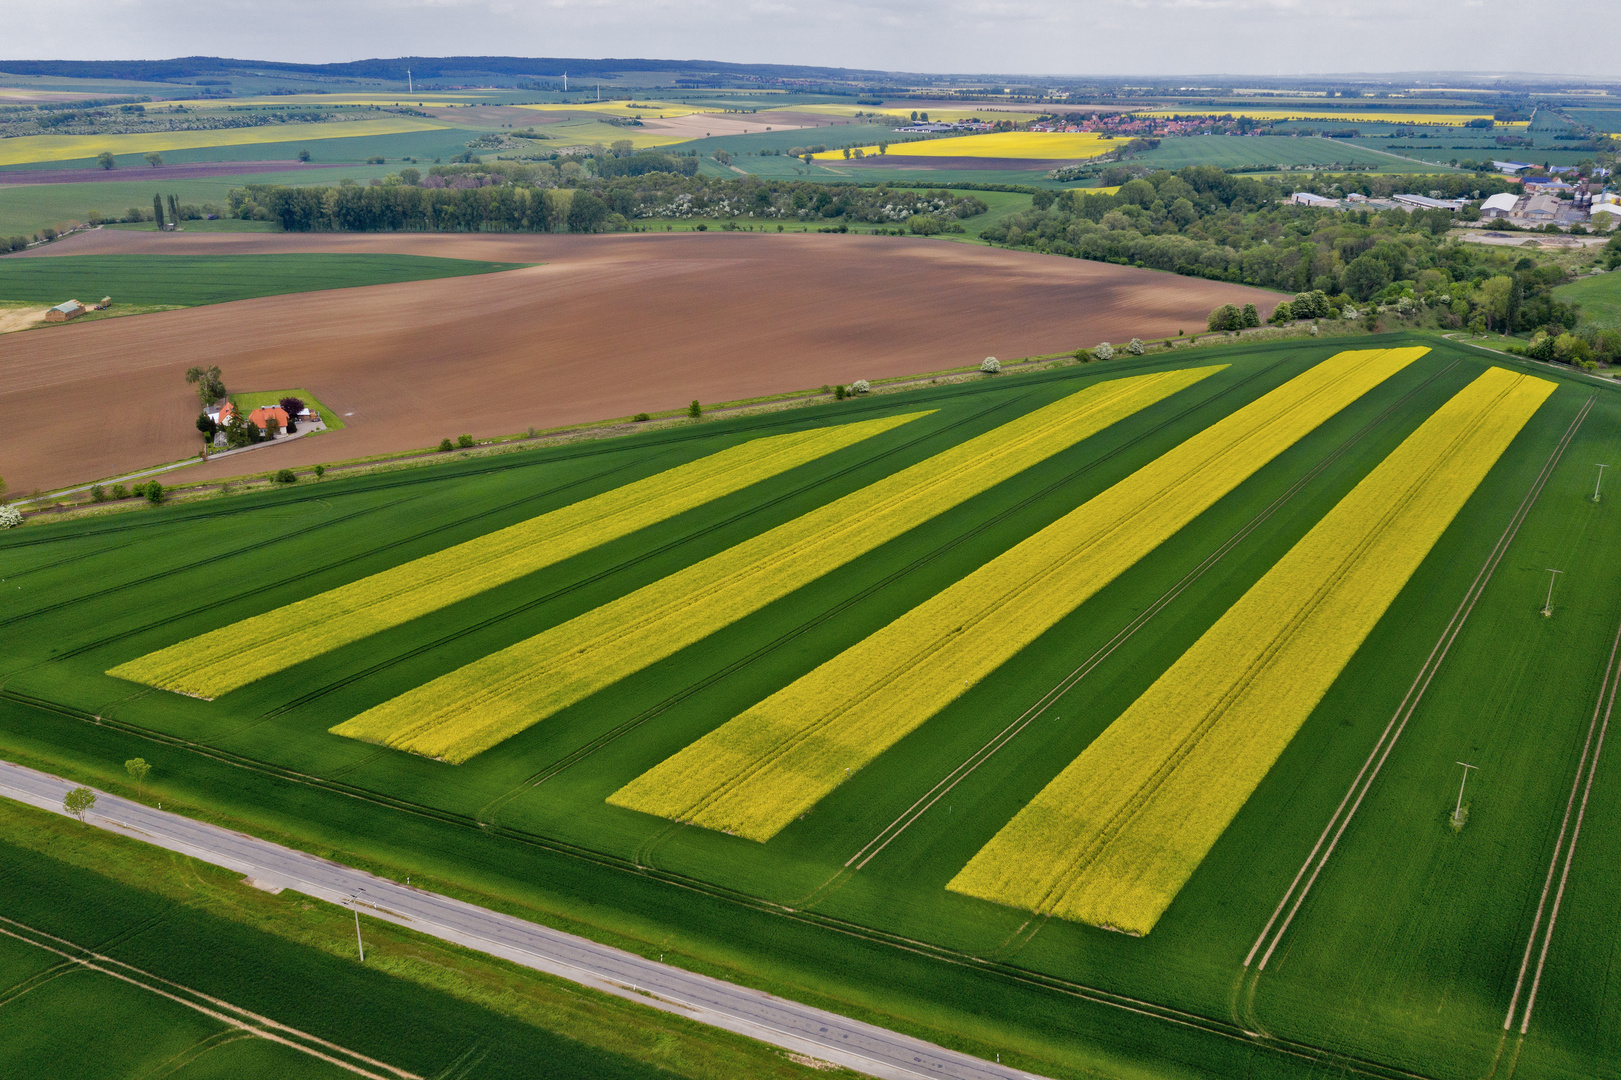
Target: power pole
pixel 1599 482
pixel 361 945
pixel 1457 814
pixel 1553 575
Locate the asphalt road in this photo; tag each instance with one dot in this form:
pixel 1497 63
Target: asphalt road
pixel 788 1024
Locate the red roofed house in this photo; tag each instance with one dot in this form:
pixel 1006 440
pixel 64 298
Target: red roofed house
pixel 261 417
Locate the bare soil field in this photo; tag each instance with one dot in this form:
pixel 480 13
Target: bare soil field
pixel 608 326
pixel 703 125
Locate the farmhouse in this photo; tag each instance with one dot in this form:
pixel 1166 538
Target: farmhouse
pixel 260 418
pixel 72 309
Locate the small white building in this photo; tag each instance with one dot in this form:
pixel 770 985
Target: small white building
pixel 1500 205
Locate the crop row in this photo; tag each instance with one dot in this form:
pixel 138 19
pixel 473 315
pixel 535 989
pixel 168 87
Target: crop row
pixel 232 656
pixel 758 772
pixel 477 706
pixel 1113 838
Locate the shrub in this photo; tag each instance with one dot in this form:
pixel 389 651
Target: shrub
pixel 1084 355
pixel 286 476
pixel 1283 313
pixel 991 366
pixel 120 491
pixel 695 410
pixel 98 493
pixel 838 392
pixel 1104 351
pixel 641 418
pixel 464 441
pixel 860 386
pixel 154 493
pixel 1135 347
pixel 1226 317
pixel 320 471
pixel 445 446
pixel 10 517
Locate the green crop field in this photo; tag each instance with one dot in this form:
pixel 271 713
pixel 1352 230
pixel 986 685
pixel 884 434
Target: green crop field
pixel 191 280
pixel 1401 961
pixel 154 949
pixel 1246 152
pixel 27 208
pixel 1598 294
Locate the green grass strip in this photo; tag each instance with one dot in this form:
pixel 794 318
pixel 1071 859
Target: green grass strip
pixel 1116 835
pixel 470 710
pixel 193 280
pixel 766 767
pixel 222 660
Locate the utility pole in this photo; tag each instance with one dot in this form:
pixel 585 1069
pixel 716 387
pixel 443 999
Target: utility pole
pixel 1553 575
pixel 1457 814
pixel 565 82
pixel 361 945
pixel 410 87
pixel 1599 482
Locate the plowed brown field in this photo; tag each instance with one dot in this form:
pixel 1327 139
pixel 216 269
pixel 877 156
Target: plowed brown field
pixel 608 326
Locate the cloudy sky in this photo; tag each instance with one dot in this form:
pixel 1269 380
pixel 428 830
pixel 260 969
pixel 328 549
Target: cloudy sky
pixel 1272 37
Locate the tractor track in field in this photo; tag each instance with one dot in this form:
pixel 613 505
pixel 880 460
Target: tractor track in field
pixel 1346 1063
pixel 555 594
pixel 1586 766
pixel 589 748
pixel 1046 701
pixel 233 1016
pixel 1294 897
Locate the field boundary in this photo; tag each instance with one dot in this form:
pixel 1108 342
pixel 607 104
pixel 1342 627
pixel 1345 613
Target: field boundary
pixel 1365 777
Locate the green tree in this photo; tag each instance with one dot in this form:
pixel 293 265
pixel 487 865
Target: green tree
pixel 154 492
pixel 586 213
pixel 1365 276
pixel 157 210
pixel 464 441
pixel 1252 318
pixel 154 160
pixel 285 476
pixel 79 802
pixel 174 211
pixel 695 410
pixel 138 770
pixel 445 446
pixel 304 155
pixel 105 160
pixel 320 471
pixel 1497 300
pixel 208 382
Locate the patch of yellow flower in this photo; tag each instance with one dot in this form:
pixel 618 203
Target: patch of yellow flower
pixel 1117 834
pixel 1029 145
pixel 475 707
pixel 28 148
pixel 766 767
pixel 222 660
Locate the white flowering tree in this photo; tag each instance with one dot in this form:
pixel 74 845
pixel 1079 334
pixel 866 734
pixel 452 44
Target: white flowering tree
pixel 1104 351
pixel 991 365
pixel 10 517
pixel 1136 347
pixel 860 386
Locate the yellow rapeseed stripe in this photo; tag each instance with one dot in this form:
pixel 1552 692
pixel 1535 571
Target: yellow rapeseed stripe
pixel 758 772
pixel 26 148
pixel 1046 145
pixel 1116 835
pixel 641 110
pixel 233 656
pixel 470 710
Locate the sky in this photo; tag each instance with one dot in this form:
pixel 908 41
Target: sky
pixel 1080 37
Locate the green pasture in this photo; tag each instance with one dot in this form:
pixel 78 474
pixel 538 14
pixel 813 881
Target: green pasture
pixel 191 280
pixel 1401 962
pixel 27 208
pixel 1251 151
pixel 1598 294
pixel 72 1021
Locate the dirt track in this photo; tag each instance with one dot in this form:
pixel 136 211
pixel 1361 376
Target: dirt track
pixel 609 326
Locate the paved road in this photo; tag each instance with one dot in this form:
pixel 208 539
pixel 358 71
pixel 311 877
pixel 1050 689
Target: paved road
pixel 799 1028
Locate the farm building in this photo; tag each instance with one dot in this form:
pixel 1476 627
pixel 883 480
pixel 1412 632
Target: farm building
pixel 72 309
pixel 1498 206
pixel 1306 198
pixel 261 417
pixel 1424 202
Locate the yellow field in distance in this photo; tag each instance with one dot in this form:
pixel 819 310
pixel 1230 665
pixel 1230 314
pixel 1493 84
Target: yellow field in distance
pixel 26 148
pixel 1118 833
pixel 222 660
pixel 755 774
pixel 898 115
pixel 641 110
pixel 470 710
pixel 1365 116
pixel 1039 145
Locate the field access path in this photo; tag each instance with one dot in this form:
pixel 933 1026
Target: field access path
pixel 758 1015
